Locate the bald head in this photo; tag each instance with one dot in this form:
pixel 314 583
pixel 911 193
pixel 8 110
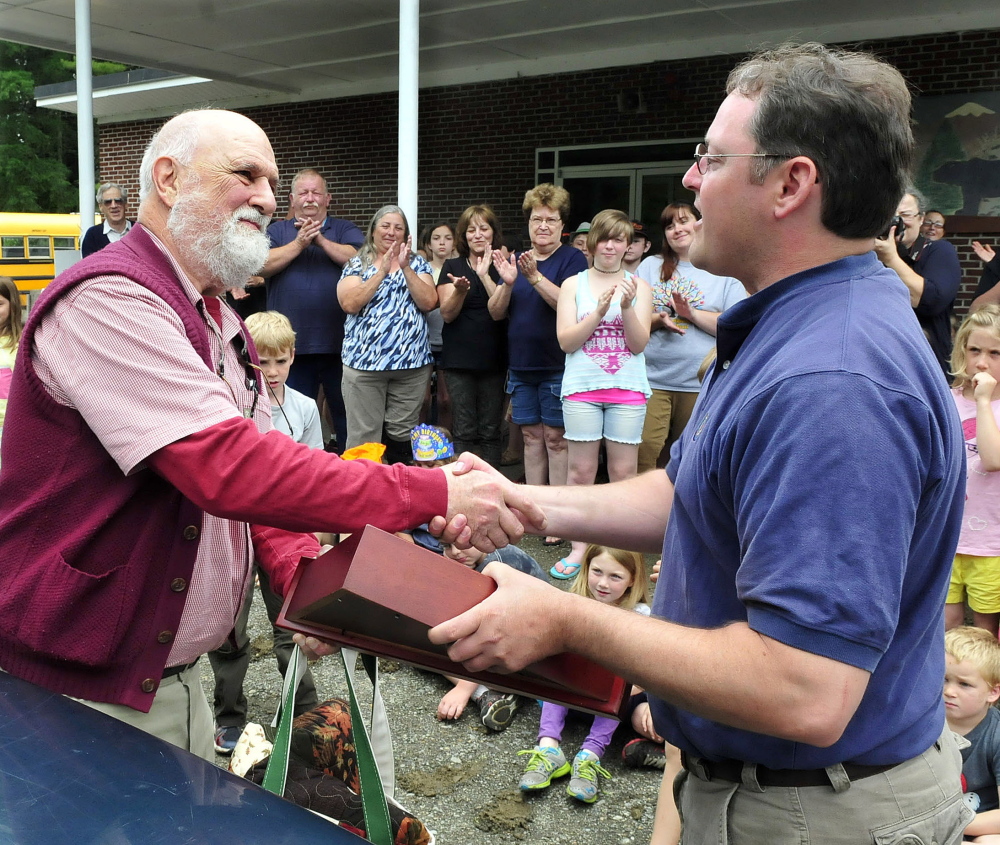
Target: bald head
pixel 207 192
pixel 182 136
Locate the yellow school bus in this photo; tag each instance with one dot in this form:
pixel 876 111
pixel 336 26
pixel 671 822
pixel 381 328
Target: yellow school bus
pixel 29 244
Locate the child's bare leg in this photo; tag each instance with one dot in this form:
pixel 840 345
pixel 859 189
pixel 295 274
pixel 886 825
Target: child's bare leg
pixel 667 821
pixel 989 621
pixel 954 615
pixel 454 702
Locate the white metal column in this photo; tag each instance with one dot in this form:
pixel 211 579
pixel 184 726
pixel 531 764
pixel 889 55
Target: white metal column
pixel 409 92
pixel 84 115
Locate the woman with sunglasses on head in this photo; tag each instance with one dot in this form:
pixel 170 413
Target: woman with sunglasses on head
pixel 686 306
pixel 528 295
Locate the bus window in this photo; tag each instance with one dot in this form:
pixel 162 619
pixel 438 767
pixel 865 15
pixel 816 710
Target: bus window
pixel 12 247
pixel 64 243
pixel 39 247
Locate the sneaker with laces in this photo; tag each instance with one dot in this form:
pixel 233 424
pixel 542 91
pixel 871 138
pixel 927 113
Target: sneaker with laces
pixel 544 764
pixel 644 754
pixel 226 737
pixel 497 709
pixel 583 784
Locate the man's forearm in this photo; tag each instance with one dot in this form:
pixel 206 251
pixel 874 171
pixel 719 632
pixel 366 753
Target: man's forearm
pixel 732 675
pixel 279 258
pixel 628 514
pixel 336 252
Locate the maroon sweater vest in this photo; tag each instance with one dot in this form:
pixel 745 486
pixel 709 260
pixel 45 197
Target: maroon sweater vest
pixel 94 565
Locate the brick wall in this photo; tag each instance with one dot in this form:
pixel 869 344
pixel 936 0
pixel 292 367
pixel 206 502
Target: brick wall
pixel 477 141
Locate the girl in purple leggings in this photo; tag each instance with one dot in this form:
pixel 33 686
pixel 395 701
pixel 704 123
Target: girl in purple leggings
pixel 611 576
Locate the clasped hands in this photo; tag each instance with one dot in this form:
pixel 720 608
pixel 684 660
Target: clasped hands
pixel 488 511
pixel 308 230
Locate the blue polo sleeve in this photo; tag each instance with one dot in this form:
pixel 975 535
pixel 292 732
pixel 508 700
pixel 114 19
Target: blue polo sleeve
pixel 825 540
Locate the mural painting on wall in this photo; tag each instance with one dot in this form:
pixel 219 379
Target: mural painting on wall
pixel 958 152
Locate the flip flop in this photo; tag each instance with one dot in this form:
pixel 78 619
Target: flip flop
pixel 553 541
pixel 568 570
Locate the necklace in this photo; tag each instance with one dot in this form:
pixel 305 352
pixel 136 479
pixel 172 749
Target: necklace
pixel 607 272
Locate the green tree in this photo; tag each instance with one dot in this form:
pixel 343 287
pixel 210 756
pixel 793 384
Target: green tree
pixel 38 156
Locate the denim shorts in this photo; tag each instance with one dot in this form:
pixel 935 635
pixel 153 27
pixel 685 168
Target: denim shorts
pixel 534 397
pixel 587 422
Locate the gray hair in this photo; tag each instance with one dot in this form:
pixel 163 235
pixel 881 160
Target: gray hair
pixel 308 171
pixel 111 186
pixel 848 112
pixel 177 139
pixel 367 252
pixel 919 197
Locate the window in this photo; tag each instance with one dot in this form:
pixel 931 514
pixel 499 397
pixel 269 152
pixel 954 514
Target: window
pixel 64 243
pixel 12 247
pixel 39 247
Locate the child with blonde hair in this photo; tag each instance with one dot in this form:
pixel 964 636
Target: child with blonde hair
pixel 610 576
pixel 296 415
pixel 292 412
pixel 975 575
pixel 971 688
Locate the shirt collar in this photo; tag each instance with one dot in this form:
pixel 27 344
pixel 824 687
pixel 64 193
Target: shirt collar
pixel 739 320
pixel 107 227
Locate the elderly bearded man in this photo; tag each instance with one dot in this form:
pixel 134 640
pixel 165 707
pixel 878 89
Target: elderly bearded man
pixel 140 472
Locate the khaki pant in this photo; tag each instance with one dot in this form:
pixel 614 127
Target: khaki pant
pixel 918 802
pixel 389 399
pixel 667 412
pixel 180 714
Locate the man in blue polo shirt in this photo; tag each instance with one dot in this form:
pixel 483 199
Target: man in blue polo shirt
pixel 308 253
pixel 811 508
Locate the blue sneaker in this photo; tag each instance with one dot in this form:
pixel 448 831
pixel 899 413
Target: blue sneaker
pixel 583 785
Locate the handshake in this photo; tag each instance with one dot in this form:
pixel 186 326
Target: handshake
pixel 485 509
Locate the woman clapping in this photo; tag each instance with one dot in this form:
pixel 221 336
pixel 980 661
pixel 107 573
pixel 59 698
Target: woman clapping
pixel 385 291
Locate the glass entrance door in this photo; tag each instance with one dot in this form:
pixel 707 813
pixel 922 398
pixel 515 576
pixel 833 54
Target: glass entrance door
pixel 593 192
pixel 641 192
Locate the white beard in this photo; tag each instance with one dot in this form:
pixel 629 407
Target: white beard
pixel 226 255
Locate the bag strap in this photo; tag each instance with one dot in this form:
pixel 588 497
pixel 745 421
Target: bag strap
pixel 376 768
pixel 376 810
pixel 277 766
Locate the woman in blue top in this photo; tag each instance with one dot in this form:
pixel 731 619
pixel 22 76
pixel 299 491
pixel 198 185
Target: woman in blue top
pixel 528 295
pixel 385 291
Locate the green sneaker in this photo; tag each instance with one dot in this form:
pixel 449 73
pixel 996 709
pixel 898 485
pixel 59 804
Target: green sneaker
pixel 544 764
pixel 583 785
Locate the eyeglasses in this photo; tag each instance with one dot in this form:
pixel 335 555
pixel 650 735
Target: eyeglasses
pixel 910 215
pixel 702 155
pixel 116 201
pixel 929 225
pixel 547 221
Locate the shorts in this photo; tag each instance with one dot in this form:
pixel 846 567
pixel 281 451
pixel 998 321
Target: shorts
pixel 534 397
pixel 979 579
pixel 588 422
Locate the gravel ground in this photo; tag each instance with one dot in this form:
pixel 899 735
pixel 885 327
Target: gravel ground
pixel 457 777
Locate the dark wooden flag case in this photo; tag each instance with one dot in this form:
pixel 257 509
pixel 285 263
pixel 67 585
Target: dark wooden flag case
pixel 380 594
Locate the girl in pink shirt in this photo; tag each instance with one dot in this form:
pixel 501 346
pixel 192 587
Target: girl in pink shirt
pixel 975 576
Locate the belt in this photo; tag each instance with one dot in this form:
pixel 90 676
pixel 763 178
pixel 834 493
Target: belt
pixel 732 771
pixel 171 671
